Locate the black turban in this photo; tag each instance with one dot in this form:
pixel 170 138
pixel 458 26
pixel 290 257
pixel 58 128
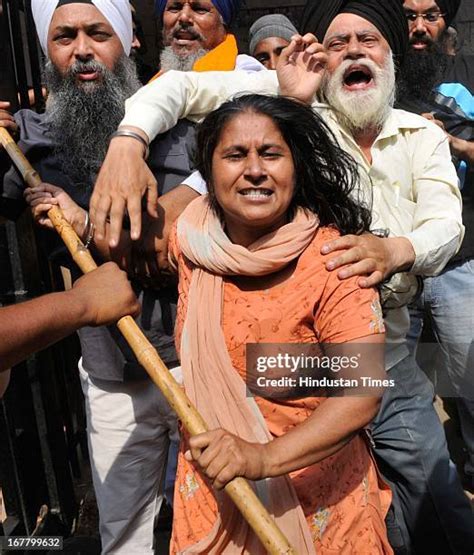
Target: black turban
pixel 387 15
pixel 450 8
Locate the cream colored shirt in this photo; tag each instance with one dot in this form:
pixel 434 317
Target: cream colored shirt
pixel 412 187
pixel 411 183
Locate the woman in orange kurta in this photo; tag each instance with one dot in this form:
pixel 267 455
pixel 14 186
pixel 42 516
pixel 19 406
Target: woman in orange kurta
pixel 251 271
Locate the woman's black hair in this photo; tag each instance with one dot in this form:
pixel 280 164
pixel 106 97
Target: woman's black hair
pixel 326 176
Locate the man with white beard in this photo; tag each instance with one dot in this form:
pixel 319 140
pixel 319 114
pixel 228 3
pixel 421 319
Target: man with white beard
pixel 412 186
pixel 361 109
pixel 415 199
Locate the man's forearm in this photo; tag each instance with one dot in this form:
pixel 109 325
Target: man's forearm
pixel 32 326
pixel 464 150
pixel 158 106
pixel 121 254
pixel 435 243
pixel 437 228
pixel 152 248
pixel 99 298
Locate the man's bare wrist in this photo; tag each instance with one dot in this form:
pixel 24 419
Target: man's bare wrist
pixel 79 221
pixel 137 137
pixel 403 254
pixel 78 308
pixel 291 94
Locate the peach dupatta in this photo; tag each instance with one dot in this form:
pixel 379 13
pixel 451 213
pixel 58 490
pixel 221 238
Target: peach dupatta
pixel 211 381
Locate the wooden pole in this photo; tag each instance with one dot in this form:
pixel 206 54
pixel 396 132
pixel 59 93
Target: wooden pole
pixel 238 489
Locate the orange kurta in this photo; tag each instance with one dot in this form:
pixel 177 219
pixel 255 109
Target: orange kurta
pixel 342 498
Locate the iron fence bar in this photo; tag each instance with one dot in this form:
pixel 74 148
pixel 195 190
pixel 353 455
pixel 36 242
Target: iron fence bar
pixel 7 82
pixel 13 16
pixel 60 489
pixel 34 56
pixel 18 518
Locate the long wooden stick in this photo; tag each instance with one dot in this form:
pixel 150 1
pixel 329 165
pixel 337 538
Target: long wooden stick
pixel 238 489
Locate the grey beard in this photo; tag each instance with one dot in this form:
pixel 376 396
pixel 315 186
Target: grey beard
pixel 170 60
pixel 82 117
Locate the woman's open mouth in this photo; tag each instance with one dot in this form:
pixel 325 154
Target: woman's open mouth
pixel 256 194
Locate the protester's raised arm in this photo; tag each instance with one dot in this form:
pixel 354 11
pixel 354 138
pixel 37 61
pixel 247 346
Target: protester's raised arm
pixel 158 106
pixel 301 68
pixel 124 178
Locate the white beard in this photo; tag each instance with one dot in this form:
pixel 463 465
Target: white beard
pixel 180 62
pixel 361 110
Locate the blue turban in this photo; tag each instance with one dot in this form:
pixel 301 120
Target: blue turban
pixel 227 8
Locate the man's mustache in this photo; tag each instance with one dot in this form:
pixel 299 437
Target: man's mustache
pixel 424 39
pixel 82 67
pixel 187 29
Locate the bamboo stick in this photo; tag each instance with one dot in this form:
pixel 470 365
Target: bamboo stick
pixel 238 489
